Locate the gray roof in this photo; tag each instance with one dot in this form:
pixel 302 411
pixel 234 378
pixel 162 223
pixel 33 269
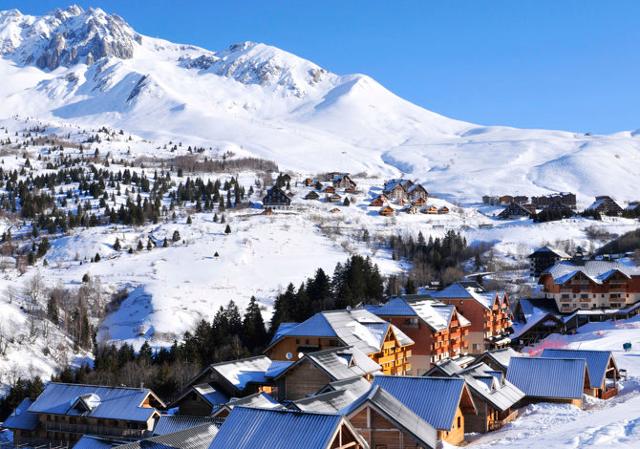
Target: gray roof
pixel 257 400
pixel 240 373
pixel 597 362
pixel 434 399
pixel 21 418
pixel 358 328
pixel 198 437
pixel 94 401
pixel 489 385
pixel 175 423
pixel 550 250
pixel 247 428
pixel 503 356
pixel 330 402
pixel 210 394
pixel 395 411
pixel 597 271
pixel 543 377
pixel 357 385
pixel 342 363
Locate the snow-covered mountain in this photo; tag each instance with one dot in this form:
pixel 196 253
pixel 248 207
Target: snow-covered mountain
pixel 92 68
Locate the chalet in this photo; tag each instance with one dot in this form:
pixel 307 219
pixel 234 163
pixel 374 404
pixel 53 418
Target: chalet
pixel 555 211
pixel 505 200
pixel 343 181
pixel 248 428
pixel 564 198
pixel 333 198
pixel 267 211
pixel 275 198
pixel 387 211
pixel 412 210
pixel 397 190
pixel 489 314
pixel 384 343
pixel 308 182
pixel 419 202
pixel 335 210
pixel 62 413
pixel 605 205
pixel 495 397
pixel 440 401
pixel 544 379
pixel 491 200
pixel 218 382
pixel 498 359
pixel 379 201
pixel 443 210
pixel 385 422
pixel 536 319
pixel 521 199
pixel 417 192
pixel 544 258
pixel 312 195
pixel 329 190
pixel 632 209
pixel 515 210
pixel 593 284
pixel 431 210
pixel 437 329
pixel 316 370
pixel 603 371
pixel 256 400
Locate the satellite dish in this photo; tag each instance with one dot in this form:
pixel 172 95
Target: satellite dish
pixel 289 356
pixel 300 355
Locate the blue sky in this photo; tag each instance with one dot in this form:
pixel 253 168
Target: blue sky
pixel 571 65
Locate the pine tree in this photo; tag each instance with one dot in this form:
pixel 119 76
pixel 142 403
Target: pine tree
pixel 176 236
pixel 165 243
pixel 96 258
pixel 227 230
pixel 149 245
pixel 189 220
pixel 116 245
pixel 140 245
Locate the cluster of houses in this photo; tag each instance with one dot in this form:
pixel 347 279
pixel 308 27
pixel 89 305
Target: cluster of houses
pixel 410 196
pixel 574 291
pixel 555 206
pixel 414 372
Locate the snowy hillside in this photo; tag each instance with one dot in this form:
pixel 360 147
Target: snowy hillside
pixel 91 68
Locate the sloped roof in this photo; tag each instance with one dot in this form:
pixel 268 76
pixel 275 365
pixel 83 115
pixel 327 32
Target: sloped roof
pixel 550 250
pixel 395 411
pixel 210 394
pixel 503 356
pixel 21 418
pixel 434 399
pixel 358 385
pixel 247 428
pixel 343 363
pixel 358 328
pixel 597 361
pixel 434 314
pixel 488 384
pixel 257 400
pixel 597 271
pixel 330 402
pixel 113 402
pixel 459 291
pixel 551 378
pixel 95 442
pixel 198 437
pixel 240 373
pixel 168 424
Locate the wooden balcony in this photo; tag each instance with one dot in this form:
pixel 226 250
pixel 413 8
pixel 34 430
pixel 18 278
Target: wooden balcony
pixel 608 394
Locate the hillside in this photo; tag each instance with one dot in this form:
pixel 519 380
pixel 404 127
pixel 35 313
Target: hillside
pixel 256 99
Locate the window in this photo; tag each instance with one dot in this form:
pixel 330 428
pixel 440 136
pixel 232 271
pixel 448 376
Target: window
pixel 459 422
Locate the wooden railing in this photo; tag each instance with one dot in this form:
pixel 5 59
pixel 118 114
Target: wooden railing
pixel 608 394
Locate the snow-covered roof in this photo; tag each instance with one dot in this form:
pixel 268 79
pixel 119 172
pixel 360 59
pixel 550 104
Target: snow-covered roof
pixel 549 250
pixel 343 363
pixel 435 314
pixel 459 291
pixel 501 393
pixel 358 328
pixel 210 394
pixel 257 400
pixel 597 271
pixel 242 372
pixel 21 418
pixel 102 402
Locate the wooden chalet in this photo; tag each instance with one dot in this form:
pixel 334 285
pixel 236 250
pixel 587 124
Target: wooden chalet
pixel 536 319
pixel 387 211
pixel 495 398
pixel 344 181
pixel 438 330
pixel 544 258
pixel 564 198
pixel 219 382
pixel 440 401
pixel 419 202
pixel 316 370
pixel 416 191
pixel 250 428
pixel 335 210
pixel 605 205
pixel 489 314
pixel 308 182
pixel 412 210
pixel 382 342
pixel 396 190
pixel 276 198
pixel 443 210
pixel 515 210
pixel 379 201
pixel 433 210
pixel 505 200
pixel 545 379
pixel 312 195
pixel 603 370
pixel 333 198
pixel 329 190
pixel 62 413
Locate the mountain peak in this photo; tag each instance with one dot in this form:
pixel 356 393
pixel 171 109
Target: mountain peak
pixel 66 37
